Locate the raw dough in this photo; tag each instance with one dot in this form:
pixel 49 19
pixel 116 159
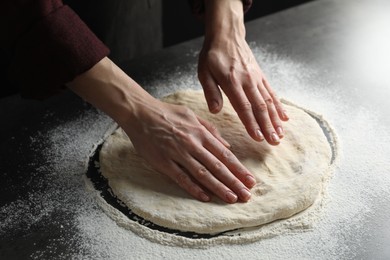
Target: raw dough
pixel 290 176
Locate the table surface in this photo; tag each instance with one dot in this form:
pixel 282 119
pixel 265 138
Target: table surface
pixel 329 56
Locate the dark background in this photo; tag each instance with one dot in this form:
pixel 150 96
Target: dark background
pixel 179 26
pixel 138 27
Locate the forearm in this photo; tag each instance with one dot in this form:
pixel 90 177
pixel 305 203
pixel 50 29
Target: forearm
pixel 111 90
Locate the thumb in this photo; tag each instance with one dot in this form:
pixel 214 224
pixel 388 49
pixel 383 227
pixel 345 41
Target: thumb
pixel 211 91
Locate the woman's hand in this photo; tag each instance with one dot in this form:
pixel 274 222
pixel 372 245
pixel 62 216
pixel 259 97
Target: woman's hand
pixel 190 151
pixel 227 62
pixel 171 138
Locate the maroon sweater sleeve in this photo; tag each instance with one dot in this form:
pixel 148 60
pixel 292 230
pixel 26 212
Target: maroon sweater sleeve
pixel 48 44
pixel 197 6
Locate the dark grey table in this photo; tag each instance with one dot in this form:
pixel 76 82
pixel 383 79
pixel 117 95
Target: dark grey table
pixel 332 57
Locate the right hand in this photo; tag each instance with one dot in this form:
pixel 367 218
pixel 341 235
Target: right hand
pixel 171 138
pixel 190 151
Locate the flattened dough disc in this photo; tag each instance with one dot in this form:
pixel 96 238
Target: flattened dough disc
pixel 290 176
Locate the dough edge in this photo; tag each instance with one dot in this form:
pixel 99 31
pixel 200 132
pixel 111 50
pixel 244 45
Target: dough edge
pixel 300 221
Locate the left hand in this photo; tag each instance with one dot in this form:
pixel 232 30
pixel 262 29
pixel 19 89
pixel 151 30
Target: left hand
pixel 227 62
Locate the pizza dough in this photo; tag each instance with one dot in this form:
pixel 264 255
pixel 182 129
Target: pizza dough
pixel 290 176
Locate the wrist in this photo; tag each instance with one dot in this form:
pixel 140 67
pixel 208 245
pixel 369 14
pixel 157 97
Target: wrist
pixel 112 91
pixel 224 19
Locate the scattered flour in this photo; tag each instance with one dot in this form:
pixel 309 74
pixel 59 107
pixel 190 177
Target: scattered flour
pixel 358 191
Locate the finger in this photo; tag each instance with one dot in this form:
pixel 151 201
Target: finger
pixel 211 91
pixel 243 107
pixel 225 166
pixel 278 105
pixel 202 175
pixel 273 116
pixel 259 109
pixel 178 175
pixel 264 111
pixel 228 183
pixel 230 163
pixel 214 131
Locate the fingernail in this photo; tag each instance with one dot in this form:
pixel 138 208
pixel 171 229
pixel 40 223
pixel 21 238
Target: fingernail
pixel 285 115
pixel 214 105
pixel 250 181
pixel 279 130
pixel 204 197
pixel 259 135
pixel 275 137
pixel 245 194
pixel 231 197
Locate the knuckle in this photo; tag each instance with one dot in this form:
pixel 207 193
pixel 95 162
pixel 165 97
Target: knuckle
pixel 212 128
pixel 218 166
pixel 197 151
pixel 182 179
pixel 176 131
pixel 226 154
pixel 201 173
pixel 269 101
pixel 187 111
pixel 211 54
pixel 184 137
pixel 244 106
pixel 260 108
pixel 248 75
